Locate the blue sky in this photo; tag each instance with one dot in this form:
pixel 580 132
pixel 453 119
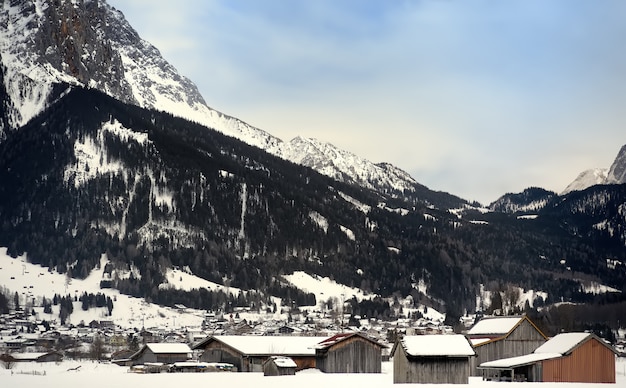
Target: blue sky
pixel 477 98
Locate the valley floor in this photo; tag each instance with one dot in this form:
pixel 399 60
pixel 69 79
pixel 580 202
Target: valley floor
pixel 105 375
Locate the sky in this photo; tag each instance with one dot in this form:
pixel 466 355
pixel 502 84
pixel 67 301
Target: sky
pixel 477 98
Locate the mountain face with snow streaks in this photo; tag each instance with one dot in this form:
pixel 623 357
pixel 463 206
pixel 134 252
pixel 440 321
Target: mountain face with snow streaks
pixel 131 163
pixel 91 44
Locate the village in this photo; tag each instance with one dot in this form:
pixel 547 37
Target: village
pixel 495 348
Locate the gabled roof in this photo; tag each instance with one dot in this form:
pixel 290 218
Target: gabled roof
pixel 494 326
pixel 252 345
pixel 165 348
pixel 566 343
pixel 328 342
pixel 162 348
pixel 437 345
pixel 282 362
pixel 497 328
pixel 558 346
pixel 514 362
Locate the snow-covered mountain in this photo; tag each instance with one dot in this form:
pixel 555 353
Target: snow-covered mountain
pixel 616 174
pixel 587 178
pixel 90 43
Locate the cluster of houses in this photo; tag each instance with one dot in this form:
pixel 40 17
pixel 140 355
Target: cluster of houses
pixel 496 348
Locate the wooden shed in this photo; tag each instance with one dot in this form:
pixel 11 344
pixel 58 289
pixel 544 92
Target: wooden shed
pixel 495 338
pixel 432 359
pixel 165 353
pixel 279 366
pixel 36 357
pixel 248 353
pixel 349 353
pixel 568 357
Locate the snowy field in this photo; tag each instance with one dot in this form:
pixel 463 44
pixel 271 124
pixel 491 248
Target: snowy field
pixel 97 375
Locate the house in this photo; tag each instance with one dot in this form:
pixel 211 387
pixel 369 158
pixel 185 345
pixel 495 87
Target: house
pixel 37 357
pixel 248 353
pixel 349 353
pixel 494 338
pixel 568 357
pixel 432 359
pixel 279 366
pixel 161 353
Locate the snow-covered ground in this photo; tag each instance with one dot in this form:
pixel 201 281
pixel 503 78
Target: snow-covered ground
pixel 33 282
pixel 97 375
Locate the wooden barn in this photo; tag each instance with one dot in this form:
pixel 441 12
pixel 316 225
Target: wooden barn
pixel 432 359
pixel 568 357
pixel 349 353
pixel 36 357
pixel 495 338
pixel 165 353
pixel 279 366
pixel 248 353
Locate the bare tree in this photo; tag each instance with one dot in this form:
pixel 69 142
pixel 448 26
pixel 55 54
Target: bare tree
pixel 96 352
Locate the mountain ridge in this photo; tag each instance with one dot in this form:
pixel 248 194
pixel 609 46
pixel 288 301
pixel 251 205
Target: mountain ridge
pixel 154 191
pixel 615 174
pixel 93 45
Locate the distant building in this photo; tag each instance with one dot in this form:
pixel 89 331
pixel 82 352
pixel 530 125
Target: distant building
pixel 161 353
pixel 248 353
pixel 36 357
pixel 568 357
pixel 495 338
pixel 349 353
pixel 432 359
pixel 279 366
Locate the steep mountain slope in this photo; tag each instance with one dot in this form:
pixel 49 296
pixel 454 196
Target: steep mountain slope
pixel 113 174
pixel 89 43
pixel 152 192
pixel 587 178
pixel 616 174
pixel 617 171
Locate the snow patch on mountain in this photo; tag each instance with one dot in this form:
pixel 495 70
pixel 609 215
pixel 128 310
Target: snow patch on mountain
pixel 92 158
pixel 325 288
pixel 320 220
pixel 184 279
pixel 345 166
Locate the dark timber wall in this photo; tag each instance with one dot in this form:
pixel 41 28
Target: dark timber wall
pixel 352 355
pixel 429 370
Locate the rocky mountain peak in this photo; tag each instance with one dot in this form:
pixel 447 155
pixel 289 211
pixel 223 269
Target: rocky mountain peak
pixel 617 172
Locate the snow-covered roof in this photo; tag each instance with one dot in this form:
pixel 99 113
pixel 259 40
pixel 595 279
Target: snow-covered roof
pixel 330 341
pixel 27 356
pixel 478 341
pixel 514 362
pixel 269 345
pixel 494 326
pixel 284 362
pixel 563 343
pixel 168 348
pixel 454 345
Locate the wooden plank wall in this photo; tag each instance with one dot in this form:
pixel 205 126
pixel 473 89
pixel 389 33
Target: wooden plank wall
pixel 523 340
pixel 353 355
pixel 429 370
pixel 592 362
